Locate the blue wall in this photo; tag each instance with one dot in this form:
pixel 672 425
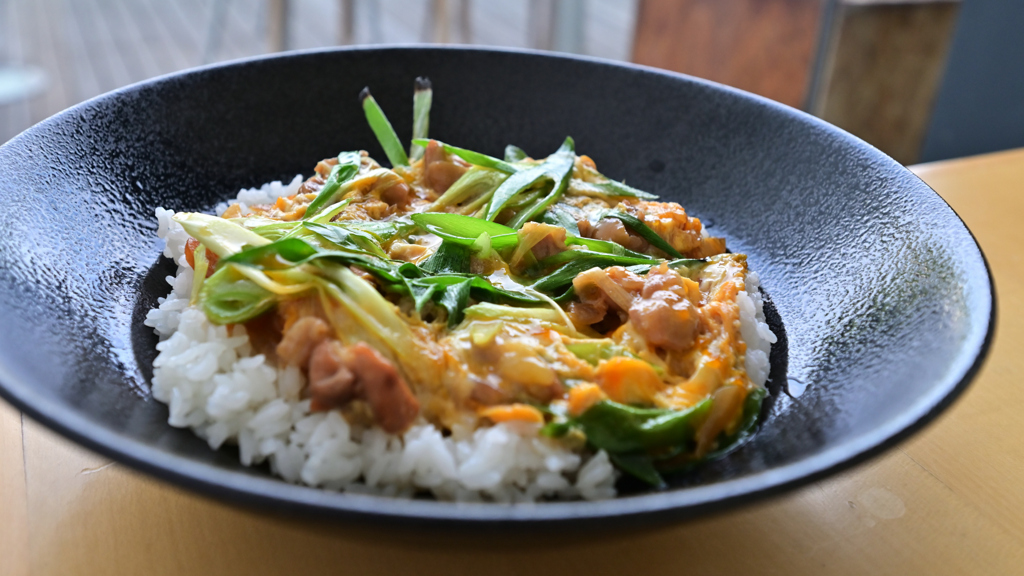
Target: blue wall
pixel 980 104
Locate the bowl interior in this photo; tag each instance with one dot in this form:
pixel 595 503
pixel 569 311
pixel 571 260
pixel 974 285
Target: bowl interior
pixel 880 295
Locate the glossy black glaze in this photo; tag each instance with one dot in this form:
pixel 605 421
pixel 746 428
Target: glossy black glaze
pixel 885 297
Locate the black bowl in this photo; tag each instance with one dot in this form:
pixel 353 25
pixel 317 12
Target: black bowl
pixel 880 295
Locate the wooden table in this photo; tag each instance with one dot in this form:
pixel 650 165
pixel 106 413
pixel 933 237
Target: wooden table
pixel 949 501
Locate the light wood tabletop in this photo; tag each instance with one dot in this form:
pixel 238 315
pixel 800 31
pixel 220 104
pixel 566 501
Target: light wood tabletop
pixel 949 501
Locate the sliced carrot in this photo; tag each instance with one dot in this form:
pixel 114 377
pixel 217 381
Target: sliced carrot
pixel 629 380
pixel 190 256
pixel 233 211
pixel 190 252
pixel 513 412
pixel 583 396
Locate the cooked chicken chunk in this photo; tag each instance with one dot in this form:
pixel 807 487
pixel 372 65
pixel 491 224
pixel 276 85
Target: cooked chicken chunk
pixel 666 320
pixel 439 170
pixel 339 374
pixel 300 340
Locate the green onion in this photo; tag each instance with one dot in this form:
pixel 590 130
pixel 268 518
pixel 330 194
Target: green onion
pixel 563 277
pixel 638 465
pixel 481 289
pixel 475 158
pixel 748 421
pixel 343 171
pixel 476 182
pixel 645 232
pixel 421 100
pixel 451 257
pixel 482 246
pixel 605 247
pixel 223 237
pixel 613 188
pixel 514 153
pixel 382 129
pixel 558 216
pixel 227 301
pixel 330 212
pixel 352 239
pixel 690 264
pixel 284 253
pixel 384 230
pixel 454 299
pixel 466 229
pixel 557 168
pixel 421 294
pixel 619 428
pixel 199 273
pixel 594 259
pixel 594 350
pixel 379 320
pixel 566 296
pixel 277 230
pixel 292 252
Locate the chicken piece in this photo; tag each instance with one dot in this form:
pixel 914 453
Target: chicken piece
pixel 339 374
pixel 588 313
pixel 323 167
pixel 331 382
pixel 439 170
pixel 666 320
pixel 585 227
pixel 662 277
pixel 542 240
pixel 300 340
pixel 609 285
pixel 315 184
pixel 599 290
pixel 392 189
pixel 612 230
pixel 629 281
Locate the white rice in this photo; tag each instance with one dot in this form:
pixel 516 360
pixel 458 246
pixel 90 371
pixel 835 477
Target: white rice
pixel 213 384
pixel 755 331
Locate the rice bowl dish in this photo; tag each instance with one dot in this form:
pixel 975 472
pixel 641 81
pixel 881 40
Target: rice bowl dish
pixel 473 328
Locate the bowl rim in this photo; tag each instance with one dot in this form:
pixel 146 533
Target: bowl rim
pixel 274 495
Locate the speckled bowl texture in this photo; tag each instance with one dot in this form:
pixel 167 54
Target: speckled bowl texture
pixel 878 292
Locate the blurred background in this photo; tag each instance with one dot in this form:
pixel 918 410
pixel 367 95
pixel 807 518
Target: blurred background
pixel 920 79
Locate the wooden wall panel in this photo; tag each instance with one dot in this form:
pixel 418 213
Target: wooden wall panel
pixel 763 46
pixel 882 70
